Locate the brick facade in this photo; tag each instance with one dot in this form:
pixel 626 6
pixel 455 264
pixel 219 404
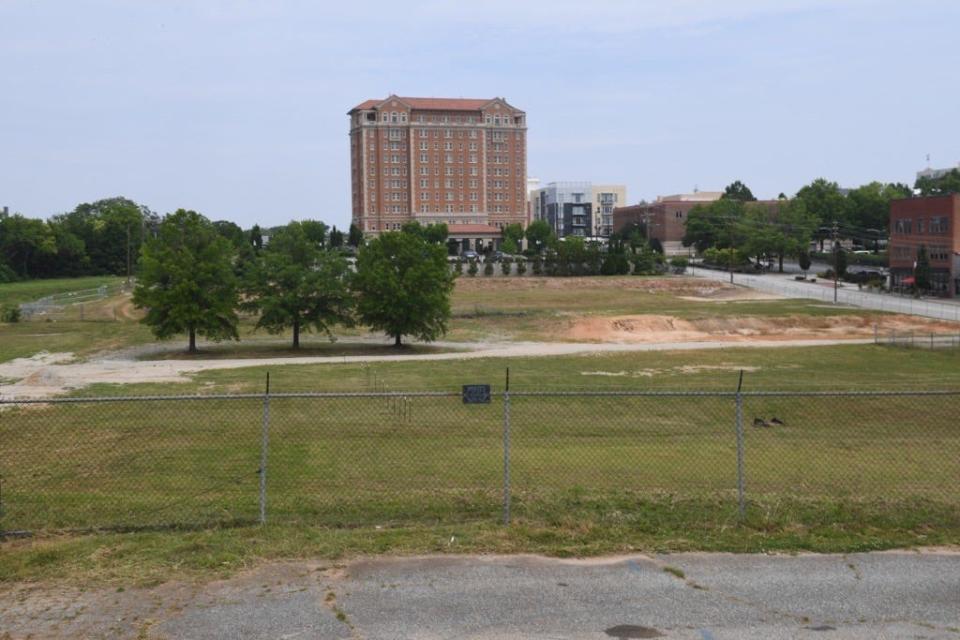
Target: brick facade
pixel 934 223
pixel 437 160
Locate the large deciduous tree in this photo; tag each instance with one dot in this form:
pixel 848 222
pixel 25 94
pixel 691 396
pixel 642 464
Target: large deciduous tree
pixel 738 191
pixel 403 284
pixel 539 235
pixel 869 207
pixel 297 285
pixel 186 281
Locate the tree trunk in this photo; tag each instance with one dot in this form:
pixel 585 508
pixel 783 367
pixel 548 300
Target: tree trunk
pixel 296 334
pixel 193 340
pixel 780 257
pixel 396 340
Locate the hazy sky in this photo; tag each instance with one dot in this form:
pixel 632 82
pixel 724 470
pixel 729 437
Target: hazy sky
pixel 238 109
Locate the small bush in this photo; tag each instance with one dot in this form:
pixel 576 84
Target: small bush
pixel 537 266
pixel 472 269
pixel 10 313
pixel 679 264
pixel 459 267
pixel 7 274
pixel 488 268
pixel 505 266
pixel 521 266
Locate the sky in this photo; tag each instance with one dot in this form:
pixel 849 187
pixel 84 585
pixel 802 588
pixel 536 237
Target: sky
pixel 237 109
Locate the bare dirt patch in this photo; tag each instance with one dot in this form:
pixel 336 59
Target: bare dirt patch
pixel 663 328
pixel 678 286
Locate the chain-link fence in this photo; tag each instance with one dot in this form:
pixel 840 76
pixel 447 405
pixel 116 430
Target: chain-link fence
pixel 388 458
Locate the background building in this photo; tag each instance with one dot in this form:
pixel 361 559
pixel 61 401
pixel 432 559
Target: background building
pixel 933 223
pixel 606 198
pixel 577 208
pixel 461 162
pixel 664 219
pixel 935 174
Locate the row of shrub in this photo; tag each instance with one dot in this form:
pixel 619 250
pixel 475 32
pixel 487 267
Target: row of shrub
pixel 859 259
pixel 610 264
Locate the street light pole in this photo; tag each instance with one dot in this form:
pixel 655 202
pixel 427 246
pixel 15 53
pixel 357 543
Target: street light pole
pixel 836 261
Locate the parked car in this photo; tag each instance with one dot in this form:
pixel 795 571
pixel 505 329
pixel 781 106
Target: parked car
pixel 469 255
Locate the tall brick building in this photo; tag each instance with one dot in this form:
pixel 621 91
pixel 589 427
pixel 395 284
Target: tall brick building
pixel 461 162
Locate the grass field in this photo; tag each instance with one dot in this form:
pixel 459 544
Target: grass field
pixel 27 291
pixel 496 309
pixel 589 475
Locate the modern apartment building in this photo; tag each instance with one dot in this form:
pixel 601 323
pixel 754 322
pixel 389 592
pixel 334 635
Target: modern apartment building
pixel 606 198
pixel 934 223
pixel 577 208
pixel 665 219
pixel 462 162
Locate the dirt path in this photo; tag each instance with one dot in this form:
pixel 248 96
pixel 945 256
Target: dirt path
pixel 45 375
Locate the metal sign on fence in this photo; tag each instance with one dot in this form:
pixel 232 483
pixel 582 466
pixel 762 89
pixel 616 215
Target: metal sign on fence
pixel 476 394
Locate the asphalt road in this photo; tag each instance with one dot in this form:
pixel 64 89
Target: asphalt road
pixel 700 596
pixel 847 294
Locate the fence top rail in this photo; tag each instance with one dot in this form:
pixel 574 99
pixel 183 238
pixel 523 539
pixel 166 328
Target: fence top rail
pixel 733 394
pixel 234 396
pixel 496 393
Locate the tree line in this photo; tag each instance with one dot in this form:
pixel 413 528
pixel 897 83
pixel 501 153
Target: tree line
pixel 193 281
pixel 737 226
pixel 105 238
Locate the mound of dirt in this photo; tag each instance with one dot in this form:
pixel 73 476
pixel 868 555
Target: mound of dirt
pixel 661 328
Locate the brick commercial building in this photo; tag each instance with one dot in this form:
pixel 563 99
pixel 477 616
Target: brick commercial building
pixel 665 219
pixel 933 223
pixel 439 160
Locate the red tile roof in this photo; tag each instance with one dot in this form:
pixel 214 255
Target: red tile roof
pixel 458 229
pixel 435 104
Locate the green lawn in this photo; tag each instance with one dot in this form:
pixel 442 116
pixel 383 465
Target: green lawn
pixel 349 476
pixel 29 290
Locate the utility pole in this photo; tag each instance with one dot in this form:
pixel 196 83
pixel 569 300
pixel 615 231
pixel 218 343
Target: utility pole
pixel 731 251
pixel 128 254
pixel 836 256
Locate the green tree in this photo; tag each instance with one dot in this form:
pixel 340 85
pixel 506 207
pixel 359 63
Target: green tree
pixel 336 238
pixel 921 273
pixel 944 185
pixel 803 258
pixel 839 260
pixel 738 191
pixel 539 235
pixel 702 228
pixel 315 231
pixel 25 243
pixel 512 238
pixel 256 238
pixel 297 285
pixel 824 200
pixel 186 282
pixel 869 206
pixel 404 286
pixel 354 236
pixel 231 231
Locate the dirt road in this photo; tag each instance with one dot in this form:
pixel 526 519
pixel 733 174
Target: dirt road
pixel 49 374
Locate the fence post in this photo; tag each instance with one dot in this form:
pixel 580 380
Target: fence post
pixel 264 445
pixel 741 506
pixel 506 450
